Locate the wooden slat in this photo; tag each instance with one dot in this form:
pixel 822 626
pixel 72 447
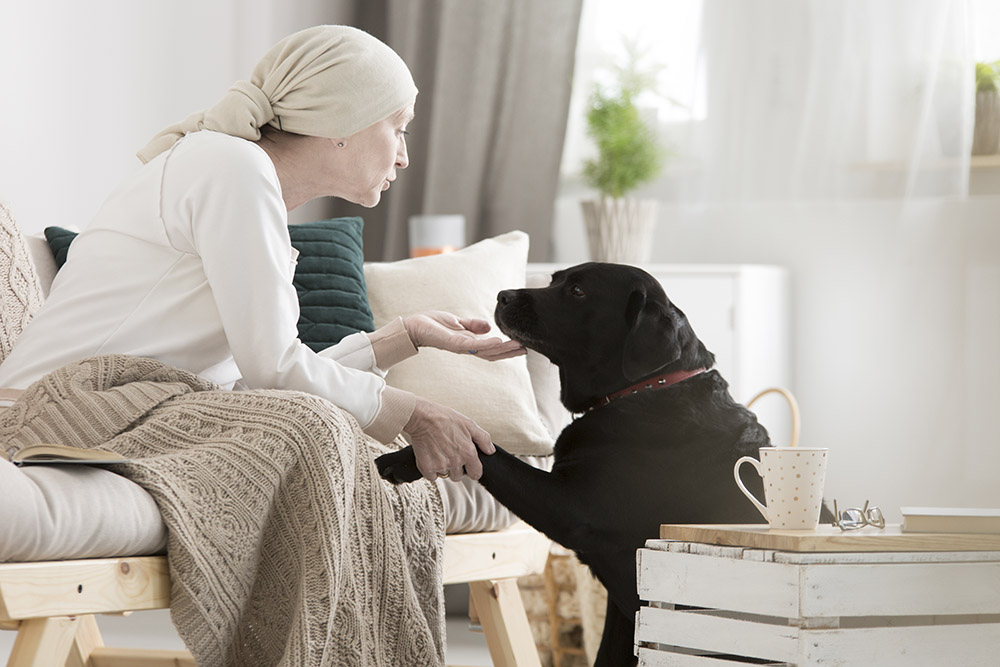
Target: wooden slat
pixel 828 538
pixel 900 589
pixel 515 552
pixel 65 588
pixel 770 589
pixel 717 634
pixel 125 657
pixel 654 658
pixel 914 646
pixel 879 557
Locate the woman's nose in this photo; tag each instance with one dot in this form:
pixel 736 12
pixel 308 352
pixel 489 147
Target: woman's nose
pixel 402 158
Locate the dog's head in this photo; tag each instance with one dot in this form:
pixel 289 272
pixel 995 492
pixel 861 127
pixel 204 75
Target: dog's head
pixel 605 326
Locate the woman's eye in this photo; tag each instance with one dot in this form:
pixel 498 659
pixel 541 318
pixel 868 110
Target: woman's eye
pixel 575 290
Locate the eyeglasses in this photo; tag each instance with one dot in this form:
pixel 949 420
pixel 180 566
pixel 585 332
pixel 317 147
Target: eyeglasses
pixel 854 517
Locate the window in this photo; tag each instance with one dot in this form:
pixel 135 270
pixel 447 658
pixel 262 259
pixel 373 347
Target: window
pixel 796 99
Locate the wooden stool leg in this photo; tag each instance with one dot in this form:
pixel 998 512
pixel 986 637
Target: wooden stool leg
pixel 505 624
pixel 474 624
pixel 43 642
pixel 86 639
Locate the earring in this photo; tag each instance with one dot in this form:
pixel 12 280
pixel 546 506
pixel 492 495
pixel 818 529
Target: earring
pixel 340 144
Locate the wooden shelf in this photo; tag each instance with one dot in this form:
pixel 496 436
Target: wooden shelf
pixel 976 162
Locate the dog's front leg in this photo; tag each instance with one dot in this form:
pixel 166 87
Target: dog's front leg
pixel 547 501
pixel 544 500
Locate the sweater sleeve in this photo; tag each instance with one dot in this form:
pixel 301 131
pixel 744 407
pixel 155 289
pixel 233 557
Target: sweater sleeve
pixel 238 226
pixel 377 351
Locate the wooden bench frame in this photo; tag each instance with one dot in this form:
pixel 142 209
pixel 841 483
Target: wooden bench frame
pixel 52 604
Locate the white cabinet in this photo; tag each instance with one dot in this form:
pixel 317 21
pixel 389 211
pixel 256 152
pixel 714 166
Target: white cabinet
pixel 741 313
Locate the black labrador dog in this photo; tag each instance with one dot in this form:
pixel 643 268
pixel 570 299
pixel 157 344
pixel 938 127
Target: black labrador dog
pixel 656 440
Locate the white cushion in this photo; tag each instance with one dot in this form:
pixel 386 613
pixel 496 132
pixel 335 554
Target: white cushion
pixel 54 512
pixel 41 257
pixel 545 377
pixel 497 395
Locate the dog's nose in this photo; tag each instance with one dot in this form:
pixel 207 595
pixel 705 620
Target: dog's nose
pixel 505 297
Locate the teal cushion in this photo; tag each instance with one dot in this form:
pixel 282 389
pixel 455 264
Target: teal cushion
pixel 329 278
pixel 59 240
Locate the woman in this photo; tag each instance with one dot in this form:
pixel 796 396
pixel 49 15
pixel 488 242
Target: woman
pixel 189 262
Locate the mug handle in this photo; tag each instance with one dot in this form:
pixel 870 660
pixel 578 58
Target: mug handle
pixel 739 483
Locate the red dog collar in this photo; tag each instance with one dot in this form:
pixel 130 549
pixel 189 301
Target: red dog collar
pixel 658 382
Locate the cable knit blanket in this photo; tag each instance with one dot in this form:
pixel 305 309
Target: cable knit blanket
pixel 285 546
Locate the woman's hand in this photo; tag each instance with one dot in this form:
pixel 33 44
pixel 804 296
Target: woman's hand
pixel 445 442
pixel 448 332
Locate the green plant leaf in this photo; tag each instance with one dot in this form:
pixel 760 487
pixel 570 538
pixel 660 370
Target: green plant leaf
pixel 628 152
pixel 988 77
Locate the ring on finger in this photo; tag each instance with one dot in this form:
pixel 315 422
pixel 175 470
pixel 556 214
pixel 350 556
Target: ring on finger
pixel 444 474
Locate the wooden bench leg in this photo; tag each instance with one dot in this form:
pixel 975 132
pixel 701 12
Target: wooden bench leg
pixel 86 639
pixel 43 642
pixel 505 624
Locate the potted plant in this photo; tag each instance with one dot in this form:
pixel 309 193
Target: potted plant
pixel 619 228
pixel 986 134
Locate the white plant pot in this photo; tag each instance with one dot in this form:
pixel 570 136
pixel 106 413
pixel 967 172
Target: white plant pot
pixel 986 132
pixel 620 230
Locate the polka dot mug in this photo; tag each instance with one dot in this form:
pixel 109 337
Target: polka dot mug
pixel 793 485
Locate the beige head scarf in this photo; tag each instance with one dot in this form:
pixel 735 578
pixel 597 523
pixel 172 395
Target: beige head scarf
pixel 329 81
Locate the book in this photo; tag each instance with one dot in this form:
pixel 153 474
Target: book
pixel 950 520
pixel 50 453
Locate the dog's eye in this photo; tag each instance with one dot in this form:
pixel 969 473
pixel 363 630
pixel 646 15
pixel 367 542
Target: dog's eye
pixel 576 290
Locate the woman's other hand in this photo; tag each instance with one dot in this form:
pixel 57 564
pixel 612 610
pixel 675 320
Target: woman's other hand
pixel 445 331
pixel 445 442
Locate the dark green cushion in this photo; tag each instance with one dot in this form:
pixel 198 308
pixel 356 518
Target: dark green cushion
pixel 59 240
pixel 329 278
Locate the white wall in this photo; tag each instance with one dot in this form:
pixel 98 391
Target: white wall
pixel 896 332
pixel 86 84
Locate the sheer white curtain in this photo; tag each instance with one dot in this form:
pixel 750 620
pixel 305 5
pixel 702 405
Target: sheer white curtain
pixel 792 100
pixel 816 99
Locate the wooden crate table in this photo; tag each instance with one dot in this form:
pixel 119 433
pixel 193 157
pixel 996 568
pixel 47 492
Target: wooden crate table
pixel 716 596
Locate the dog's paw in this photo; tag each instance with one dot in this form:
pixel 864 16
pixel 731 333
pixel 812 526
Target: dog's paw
pixel 399 467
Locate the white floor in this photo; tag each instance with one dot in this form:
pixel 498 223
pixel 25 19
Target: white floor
pixel 152 629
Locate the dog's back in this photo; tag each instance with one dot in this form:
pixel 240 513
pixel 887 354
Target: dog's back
pixel 666 455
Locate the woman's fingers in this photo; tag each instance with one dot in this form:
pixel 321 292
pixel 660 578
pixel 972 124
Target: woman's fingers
pixel 445 442
pixel 475 326
pixel 500 350
pixel 460 335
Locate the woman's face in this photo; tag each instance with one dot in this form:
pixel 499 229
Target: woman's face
pixel 371 158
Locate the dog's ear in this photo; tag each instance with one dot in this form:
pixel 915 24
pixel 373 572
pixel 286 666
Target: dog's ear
pixel 651 342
